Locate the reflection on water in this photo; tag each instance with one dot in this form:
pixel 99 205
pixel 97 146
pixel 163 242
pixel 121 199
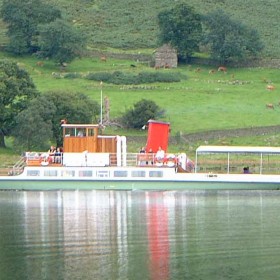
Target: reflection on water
pixel 140 235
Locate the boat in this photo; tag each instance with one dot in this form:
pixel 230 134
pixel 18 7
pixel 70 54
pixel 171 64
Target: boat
pixel 90 160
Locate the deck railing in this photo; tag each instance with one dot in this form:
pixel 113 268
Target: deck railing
pixel 18 167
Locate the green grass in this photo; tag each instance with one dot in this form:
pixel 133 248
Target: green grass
pixel 200 102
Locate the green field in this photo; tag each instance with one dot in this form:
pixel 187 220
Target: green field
pixel 201 101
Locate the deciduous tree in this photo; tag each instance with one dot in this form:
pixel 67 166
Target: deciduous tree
pixel 39 124
pixel 16 90
pixel 22 19
pixel 61 41
pixel 141 112
pixel 230 40
pixel 181 27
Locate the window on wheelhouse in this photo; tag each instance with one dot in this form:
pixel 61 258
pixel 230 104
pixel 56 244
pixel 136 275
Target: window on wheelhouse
pixel 79 131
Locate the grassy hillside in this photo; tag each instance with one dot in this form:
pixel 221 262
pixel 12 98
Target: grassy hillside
pixel 200 102
pixel 133 23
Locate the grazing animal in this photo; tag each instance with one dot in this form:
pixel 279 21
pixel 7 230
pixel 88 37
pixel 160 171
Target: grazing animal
pixel 222 69
pixel 270 87
pixel 40 63
pixel 166 66
pixel 197 70
pixel 103 58
pixel 270 106
pixel 212 71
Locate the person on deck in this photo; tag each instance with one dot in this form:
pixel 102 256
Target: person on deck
pixel 51 153
pixel 160 154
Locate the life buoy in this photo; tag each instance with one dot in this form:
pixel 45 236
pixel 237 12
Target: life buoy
pixel 159 163
pixel 171 160
pixel 44 159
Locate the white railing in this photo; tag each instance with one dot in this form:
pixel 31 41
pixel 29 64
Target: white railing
pixel 18 167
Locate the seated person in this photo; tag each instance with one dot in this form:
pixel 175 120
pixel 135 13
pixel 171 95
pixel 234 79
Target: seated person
pixel 58 155
pixel 51 153
pixel 246 170
pixel 80 133
pixel 160 154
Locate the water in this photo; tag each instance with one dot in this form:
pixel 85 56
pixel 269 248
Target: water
pixel 140 235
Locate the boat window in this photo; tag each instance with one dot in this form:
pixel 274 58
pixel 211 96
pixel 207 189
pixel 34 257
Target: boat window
pixel 50 172
pixel 120 173
pixel 90 132
pixel 102 174
pixel 85 173
pixel 33 172
pixel 155 173
pixel 138 173
pixel 68 173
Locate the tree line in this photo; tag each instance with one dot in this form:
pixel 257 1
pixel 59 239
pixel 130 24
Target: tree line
pixel 38 28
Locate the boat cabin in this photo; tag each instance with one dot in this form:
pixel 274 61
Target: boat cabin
pixel 78 138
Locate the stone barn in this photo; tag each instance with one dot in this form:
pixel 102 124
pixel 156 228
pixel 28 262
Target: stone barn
pixel 166 57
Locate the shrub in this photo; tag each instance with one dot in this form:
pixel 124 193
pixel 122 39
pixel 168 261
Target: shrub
pixel 123 78
pixel 139 115
pixel 72 75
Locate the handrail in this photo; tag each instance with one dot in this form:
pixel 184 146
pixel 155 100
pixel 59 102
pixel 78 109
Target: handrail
pixel 18 167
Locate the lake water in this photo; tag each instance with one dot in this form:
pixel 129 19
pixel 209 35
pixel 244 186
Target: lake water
pixel 140 235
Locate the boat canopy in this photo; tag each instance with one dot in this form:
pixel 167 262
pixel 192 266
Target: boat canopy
pixel 231 150
pixel 237 149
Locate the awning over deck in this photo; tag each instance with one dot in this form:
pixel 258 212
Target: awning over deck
pixel 237 149
pixel 229 150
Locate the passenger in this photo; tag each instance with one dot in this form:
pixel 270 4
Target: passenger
pixel 160 154
pixel 58 155
pixel 246 170
pixel 141 157
pixel 51 153
pixel 80 133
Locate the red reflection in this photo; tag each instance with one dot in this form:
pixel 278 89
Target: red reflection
pixel 157 226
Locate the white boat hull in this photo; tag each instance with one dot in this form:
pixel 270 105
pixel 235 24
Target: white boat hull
pixel 132 178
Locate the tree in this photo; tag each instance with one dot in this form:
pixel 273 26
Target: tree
pixel 23 18
pixel 32 132
pixel 229 40
pixel 39 124
pixel 143 111
pixel 16 90
pixel 181 27
pixel 60 41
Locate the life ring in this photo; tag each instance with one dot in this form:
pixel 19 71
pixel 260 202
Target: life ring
pixel 171 160
pixel 44 159
pixel 159 163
